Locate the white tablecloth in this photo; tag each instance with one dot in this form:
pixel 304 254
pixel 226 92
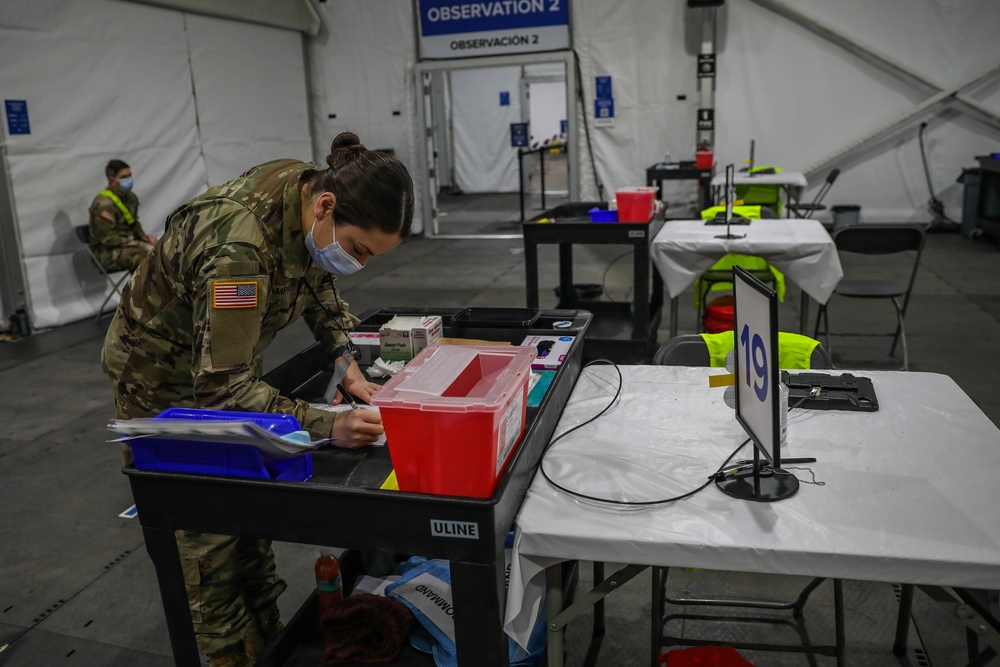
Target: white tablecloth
pixel 793 179
pixel 909 493
pixel 801 249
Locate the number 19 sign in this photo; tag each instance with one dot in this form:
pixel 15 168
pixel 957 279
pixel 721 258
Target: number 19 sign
pixel 756 331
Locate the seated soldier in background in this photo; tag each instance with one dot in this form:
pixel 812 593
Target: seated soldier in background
pixel 116 236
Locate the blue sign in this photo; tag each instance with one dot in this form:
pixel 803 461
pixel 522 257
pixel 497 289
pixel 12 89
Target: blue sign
pixel 563 127
pixel 518 134
pixel 17 117
pixel 451 17
pixel 504 98
pixel 602 87
pixel 604 108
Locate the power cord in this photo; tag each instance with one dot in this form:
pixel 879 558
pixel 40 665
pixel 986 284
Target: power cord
pixel 604 278
pixel 718 474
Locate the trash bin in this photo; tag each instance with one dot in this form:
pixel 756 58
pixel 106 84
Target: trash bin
pixel 970 199
pixel 845 215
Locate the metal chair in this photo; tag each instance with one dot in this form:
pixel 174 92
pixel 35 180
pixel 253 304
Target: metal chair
pixel 871 239
pixel 692 350
pixel 805 210
pixel 83 233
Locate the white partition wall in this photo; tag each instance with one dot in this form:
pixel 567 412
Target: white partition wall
pixel 186 100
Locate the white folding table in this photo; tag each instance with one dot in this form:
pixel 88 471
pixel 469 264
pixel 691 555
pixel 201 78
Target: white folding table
pixel 909 492
pixel 801 249
pixel 792 183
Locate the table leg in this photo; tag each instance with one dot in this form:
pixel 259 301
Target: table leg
pixel 673 317
pixel 903 620
pixel 640 295
pixel 567 296
pixel 161 545
pixel 531 273
pixel 553 605
pixel 479 637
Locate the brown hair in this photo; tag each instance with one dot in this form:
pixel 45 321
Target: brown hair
pixel 373 188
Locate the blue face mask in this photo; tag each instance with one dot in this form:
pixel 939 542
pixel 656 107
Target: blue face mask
pixel 125 184
pixel 333 258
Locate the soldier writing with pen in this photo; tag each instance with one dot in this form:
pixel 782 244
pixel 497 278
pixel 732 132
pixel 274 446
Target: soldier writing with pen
pixel 116 235
pixel 235 265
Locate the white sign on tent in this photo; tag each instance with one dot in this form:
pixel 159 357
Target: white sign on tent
pixel 457 29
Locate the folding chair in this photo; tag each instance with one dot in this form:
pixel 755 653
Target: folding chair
pixel 693 350
pixel 871 239
pixel 83 233
pixel 806 210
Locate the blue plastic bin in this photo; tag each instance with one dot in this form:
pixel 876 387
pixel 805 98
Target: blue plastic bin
pixel 217 458
pixel 600 215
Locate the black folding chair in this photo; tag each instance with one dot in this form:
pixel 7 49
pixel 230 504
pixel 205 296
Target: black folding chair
pixel 871 239
pixel 807 210
pixel 83 233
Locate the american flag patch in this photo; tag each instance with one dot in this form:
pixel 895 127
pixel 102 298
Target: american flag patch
pixel 234 295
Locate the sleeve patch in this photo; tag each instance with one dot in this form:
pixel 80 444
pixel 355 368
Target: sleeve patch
pixel 234 295
pixel 107 215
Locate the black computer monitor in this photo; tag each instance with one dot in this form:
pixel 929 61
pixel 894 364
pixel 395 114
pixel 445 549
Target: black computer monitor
pixel 759 403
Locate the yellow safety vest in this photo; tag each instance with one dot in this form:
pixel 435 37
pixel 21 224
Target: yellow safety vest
pixel 129 218
pixel 794 350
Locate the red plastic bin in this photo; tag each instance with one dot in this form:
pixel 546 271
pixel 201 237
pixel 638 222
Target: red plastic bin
pixel 454 416
pixel 635 204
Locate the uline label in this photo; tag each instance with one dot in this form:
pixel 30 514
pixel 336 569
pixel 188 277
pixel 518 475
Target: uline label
pixel 464 529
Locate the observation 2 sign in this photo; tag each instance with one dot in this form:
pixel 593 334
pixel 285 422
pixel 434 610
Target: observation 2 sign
pixel 450 29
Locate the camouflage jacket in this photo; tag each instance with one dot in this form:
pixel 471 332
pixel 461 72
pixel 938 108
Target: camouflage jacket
pixel 108 227
pixel 228 273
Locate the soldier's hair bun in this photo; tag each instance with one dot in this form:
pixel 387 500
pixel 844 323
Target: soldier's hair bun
pixel 344 148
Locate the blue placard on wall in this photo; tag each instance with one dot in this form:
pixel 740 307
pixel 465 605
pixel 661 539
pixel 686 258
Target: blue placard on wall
pixel 504 98
pixel 563 127
pixel 602 87
pixel 518 134
pixel 17 117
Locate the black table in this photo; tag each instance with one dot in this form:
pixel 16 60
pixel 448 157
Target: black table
pixel 342 505
pixel 682 171
pixel 624 332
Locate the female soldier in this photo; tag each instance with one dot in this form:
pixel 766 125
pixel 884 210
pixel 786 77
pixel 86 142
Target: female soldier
pixel 234 266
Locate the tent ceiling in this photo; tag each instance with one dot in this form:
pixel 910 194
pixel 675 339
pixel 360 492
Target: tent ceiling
pixel 292 14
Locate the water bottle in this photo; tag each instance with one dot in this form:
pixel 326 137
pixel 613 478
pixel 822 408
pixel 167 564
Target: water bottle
pixel 329 583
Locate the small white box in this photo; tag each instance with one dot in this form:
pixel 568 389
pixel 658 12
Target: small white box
pixel 402 337
pixel 368 346
pixel 550 351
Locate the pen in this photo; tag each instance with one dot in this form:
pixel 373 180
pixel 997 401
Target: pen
pixel 783 461
pixel 347 397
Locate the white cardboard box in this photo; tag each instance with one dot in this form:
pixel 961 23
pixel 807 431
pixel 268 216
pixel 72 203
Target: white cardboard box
pixel 402 337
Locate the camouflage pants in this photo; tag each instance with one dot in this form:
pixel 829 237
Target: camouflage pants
pixel 228 579
pixel 120 259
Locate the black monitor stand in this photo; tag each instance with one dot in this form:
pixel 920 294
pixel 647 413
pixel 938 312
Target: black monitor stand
pixel 765 486
pixel 730 194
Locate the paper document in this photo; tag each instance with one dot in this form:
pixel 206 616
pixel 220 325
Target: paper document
pixel 272 447
pixel 342 407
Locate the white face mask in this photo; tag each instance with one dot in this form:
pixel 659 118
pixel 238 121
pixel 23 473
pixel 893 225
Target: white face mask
pixel 332 258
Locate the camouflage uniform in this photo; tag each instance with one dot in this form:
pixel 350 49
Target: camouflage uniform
pixel 118 244
pixel 173 342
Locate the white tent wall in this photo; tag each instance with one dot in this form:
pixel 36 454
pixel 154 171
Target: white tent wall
pixel 105 79
pixel 641 45
pixel 803 98
pixel 252 103
pixel 548 109
pixel 484 159
pixel 361 79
